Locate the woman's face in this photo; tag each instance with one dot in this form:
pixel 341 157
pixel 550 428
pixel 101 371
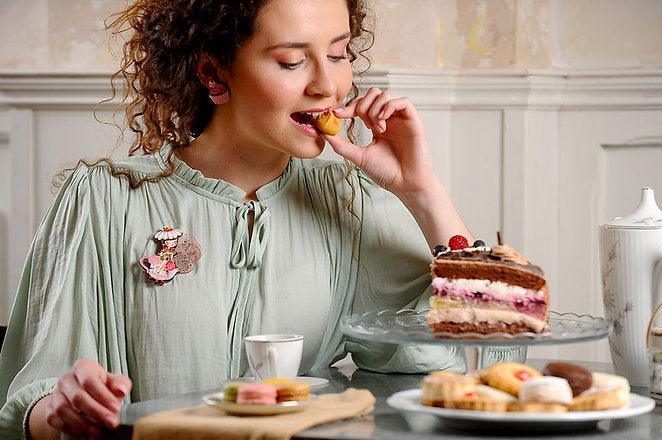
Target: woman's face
pixel 295 62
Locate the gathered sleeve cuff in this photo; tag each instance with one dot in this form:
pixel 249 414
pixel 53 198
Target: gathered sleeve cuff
pixel 14 417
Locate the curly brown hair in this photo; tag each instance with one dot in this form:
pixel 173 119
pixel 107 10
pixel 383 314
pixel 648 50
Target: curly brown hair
pixel 163 99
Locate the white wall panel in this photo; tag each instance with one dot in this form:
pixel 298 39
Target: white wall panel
pixel 627 168
pixel 545 156
pixel 62 137
pixel 475 169
pixel 589 169
pixel 5 197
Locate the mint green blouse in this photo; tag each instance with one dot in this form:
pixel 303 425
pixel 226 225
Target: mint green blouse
pixel 310 261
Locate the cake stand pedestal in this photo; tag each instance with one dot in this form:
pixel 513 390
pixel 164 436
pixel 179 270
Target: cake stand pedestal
pixel 411 327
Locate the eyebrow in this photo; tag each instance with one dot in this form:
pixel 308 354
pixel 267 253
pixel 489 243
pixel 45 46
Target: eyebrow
pixel 297 45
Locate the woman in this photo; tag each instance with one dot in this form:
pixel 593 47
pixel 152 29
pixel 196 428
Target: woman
pixel 146 273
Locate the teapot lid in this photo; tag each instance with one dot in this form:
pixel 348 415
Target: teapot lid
pixel 647 215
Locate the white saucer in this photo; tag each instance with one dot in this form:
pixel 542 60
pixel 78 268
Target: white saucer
pixel 314 382
pixel 216 400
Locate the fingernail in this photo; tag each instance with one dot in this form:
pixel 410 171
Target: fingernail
pixel 111 422
pixel 381 114
pixel 122 389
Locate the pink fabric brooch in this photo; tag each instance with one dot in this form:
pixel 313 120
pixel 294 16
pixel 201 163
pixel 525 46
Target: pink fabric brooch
pixel 178 254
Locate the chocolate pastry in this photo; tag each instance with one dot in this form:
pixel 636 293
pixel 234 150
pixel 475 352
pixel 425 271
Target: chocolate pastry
pixel 578 377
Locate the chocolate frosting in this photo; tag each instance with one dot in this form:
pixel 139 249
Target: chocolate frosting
pixel 488 257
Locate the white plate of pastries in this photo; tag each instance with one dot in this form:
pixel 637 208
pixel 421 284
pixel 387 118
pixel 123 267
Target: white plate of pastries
pixel 562 397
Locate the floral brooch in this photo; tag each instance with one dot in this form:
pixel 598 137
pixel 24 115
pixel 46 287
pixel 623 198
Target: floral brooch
pixel 178 254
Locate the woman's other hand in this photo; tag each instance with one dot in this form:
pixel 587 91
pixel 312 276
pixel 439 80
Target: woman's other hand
pixel 398 158
pixel 86 398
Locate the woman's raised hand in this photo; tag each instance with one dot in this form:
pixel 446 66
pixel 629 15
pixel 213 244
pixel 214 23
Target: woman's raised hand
pixel 398 158
pixel 86 398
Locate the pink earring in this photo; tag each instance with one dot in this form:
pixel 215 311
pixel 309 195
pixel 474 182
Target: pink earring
pixel 218 92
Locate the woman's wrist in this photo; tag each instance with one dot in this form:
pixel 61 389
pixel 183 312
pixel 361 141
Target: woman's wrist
pixel 435 214
pixel 38 427
pixel 424 199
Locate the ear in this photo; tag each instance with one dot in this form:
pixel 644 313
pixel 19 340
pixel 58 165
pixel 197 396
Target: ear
pixel 209 69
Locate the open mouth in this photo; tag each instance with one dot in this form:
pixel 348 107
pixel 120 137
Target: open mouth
pixel 306 119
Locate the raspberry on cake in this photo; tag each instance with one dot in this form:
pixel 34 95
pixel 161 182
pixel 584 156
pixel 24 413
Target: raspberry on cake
pixel 486 290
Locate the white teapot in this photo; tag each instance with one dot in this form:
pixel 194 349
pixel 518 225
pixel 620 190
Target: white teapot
pixel 631 267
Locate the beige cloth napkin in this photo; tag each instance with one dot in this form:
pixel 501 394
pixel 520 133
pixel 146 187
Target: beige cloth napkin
pixel 204 422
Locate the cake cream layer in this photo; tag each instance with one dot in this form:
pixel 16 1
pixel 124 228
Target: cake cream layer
pixel 482 268
pixel 493 317
pixel 492 289
pixel 489 294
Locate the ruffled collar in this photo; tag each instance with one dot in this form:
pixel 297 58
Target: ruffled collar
pixel 221 189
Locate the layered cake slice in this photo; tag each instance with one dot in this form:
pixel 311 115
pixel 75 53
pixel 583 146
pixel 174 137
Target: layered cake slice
pixel 486 290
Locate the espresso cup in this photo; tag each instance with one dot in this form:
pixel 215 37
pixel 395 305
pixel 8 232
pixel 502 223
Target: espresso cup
pixel 274 355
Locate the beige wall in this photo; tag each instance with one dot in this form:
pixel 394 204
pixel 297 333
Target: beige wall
pixel 452 34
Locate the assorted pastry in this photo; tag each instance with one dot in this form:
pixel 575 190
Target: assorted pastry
pixel 510 386
pixel 268 392
pixel 482 289
pixel 328 123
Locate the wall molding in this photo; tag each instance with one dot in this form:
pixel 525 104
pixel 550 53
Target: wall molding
pixel 544 89
pixel 430 89
pixel 533 139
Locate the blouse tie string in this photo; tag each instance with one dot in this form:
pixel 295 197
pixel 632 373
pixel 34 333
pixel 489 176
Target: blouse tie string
pixel 247 251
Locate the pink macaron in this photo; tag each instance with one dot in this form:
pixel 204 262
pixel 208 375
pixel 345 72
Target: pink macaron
pixel 257 394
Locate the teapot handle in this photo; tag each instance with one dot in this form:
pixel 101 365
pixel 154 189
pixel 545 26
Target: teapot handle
pixel 650 325
pixel 657 294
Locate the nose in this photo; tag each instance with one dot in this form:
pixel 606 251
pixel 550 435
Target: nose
pixel 321 82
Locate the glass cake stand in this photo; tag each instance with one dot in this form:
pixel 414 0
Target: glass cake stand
pixel 411 327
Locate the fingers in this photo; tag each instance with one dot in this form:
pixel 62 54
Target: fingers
pixel 86 398
pixel 95 386
pixel 65 419
pixel 375 107
pixel 396 105
pixel 85 389
pixel 81 401
pixel 119 385
pixel 376 111
pixel 345 148
pixel 365 104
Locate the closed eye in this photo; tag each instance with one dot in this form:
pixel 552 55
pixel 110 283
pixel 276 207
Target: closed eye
pixel 292 66
pixel 289 66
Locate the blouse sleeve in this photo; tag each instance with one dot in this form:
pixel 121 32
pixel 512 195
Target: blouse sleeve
pixel 64 306
pixel 394 274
